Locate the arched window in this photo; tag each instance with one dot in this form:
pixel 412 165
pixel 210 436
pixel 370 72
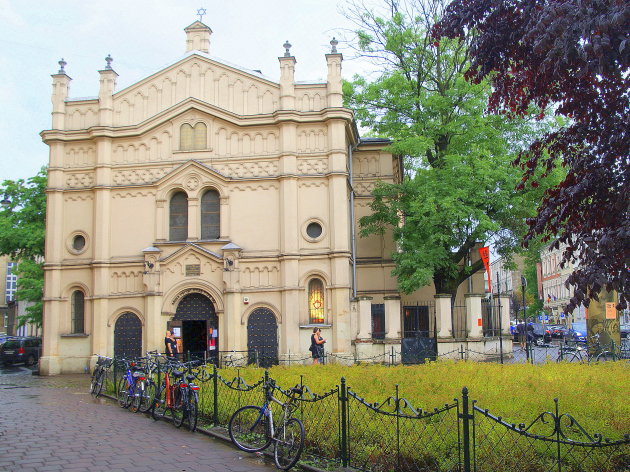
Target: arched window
pixel 316 301
pixel 210 218
pixel 199 136
pixel 193 138
pixel 178 221
pixel 77 310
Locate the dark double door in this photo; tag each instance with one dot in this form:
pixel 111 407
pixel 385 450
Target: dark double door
pixel 262 337
pixel 128 336
pixel 197 325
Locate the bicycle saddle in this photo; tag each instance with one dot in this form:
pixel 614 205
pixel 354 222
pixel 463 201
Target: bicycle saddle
pixel 137 373
pixel 296 390
pixel 190 378
pixel 178 373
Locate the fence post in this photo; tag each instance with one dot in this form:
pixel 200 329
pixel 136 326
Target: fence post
pixel 466 417
pixel 215 393
pixel 461 351
pixel 343 399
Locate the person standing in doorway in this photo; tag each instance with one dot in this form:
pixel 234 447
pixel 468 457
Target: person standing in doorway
pixel 317 346
pixel 170 344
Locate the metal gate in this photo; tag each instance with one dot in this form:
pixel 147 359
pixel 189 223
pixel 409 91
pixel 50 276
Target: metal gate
pixel 127 336
pixel 419 341
pixel 262 337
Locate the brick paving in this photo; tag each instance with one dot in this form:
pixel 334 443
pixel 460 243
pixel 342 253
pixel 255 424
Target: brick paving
pixel 53 424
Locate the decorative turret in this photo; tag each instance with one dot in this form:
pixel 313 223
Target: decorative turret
pixel 287 78
pixel 61 87
pixel 198 35
pixel 335 82
pixel 106 92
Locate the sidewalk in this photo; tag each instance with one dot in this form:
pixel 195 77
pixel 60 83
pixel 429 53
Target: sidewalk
pixel 53 424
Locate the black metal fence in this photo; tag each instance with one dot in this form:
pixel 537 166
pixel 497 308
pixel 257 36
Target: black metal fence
pixel 345 430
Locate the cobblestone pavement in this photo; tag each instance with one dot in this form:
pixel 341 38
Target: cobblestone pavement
pixel 52 424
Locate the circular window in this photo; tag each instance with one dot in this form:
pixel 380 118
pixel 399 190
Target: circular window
pixel 314 230
pixel 78 243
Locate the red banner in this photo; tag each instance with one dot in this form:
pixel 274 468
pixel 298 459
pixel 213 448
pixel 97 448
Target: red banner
pixel 484 252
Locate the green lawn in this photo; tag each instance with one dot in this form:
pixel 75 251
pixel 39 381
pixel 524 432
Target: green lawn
pixel 595 395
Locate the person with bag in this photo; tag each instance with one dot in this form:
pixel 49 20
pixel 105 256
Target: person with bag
pixel 317 345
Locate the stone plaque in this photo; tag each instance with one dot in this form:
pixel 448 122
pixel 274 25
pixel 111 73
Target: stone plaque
pixel 193 269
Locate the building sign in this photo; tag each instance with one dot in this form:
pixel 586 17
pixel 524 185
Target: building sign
pixel 193 270
pixel 611 311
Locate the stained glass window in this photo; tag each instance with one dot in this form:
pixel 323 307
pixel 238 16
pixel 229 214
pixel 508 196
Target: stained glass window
pixel 316 301
pixel 178 217
pixel 210 228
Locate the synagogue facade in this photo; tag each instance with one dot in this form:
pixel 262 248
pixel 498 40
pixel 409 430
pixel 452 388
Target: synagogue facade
pixel 212 201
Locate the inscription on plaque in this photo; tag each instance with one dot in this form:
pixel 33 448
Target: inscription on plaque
pixel 193 269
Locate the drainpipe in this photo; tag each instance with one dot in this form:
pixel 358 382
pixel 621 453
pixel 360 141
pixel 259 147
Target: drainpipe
pixel 353 241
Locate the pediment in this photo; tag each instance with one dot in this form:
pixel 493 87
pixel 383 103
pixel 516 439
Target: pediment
pixel 239 91
pixel 192 176
pixel 191 252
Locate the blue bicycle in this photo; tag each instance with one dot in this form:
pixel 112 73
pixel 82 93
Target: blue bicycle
pixel 127 387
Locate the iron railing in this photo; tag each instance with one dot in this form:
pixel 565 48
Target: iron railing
pixel 345 430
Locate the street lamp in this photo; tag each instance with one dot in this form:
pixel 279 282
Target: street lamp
pixel 6 203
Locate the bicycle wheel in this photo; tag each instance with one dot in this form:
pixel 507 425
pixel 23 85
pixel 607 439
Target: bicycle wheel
pixel 249 429
pixel 288 443
pixel 137 390
pixel 605 356
pixel 575 357
pixel 150 389
pixel 179 407
pixel 122 392
pixel 158 407
pixel 93 382
pixel 100 381
pixel 192 410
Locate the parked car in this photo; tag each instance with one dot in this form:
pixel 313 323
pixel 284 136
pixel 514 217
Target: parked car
pixel 561 332
pixel 21 350
pixel 578 332
pixel 538 333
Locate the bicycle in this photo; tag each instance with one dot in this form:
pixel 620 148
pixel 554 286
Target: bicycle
pixel 251 428
pixel 587 354
pixel 126 388
pixel 144 387
pixel 98 376
pixel 177 397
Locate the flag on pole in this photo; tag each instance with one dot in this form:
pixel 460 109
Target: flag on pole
pixel 484 252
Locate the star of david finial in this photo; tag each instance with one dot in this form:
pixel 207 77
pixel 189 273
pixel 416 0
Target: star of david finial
pixel 201 12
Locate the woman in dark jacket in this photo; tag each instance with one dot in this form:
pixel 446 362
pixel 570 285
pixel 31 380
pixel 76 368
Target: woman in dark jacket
pixel 317 345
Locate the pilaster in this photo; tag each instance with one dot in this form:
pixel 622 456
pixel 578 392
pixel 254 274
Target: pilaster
pixel 392 318
pixel 61 88
pixel 334 80
pixel 473 312
pixel 287 79
pixel 365 318
pixel 443 315
pixel 505 314
pixel 106 93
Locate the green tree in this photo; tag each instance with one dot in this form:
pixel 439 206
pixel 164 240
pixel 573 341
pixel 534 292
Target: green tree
pixel 459 186
pixel 22 230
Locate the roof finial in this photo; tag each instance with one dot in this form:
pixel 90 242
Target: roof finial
pixel 201 12
pixel 109 61
pixel 334 43
pixel 287 46
pixel 62 64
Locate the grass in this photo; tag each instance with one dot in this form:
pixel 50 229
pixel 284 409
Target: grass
pixel 595 395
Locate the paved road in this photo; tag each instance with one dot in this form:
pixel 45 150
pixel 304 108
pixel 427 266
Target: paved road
pixel 52 424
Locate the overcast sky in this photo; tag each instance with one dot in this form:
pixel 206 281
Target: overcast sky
pixel 142 36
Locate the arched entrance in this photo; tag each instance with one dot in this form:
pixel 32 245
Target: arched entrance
pixel 262 337
pixel 197 325
pixel 128 336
